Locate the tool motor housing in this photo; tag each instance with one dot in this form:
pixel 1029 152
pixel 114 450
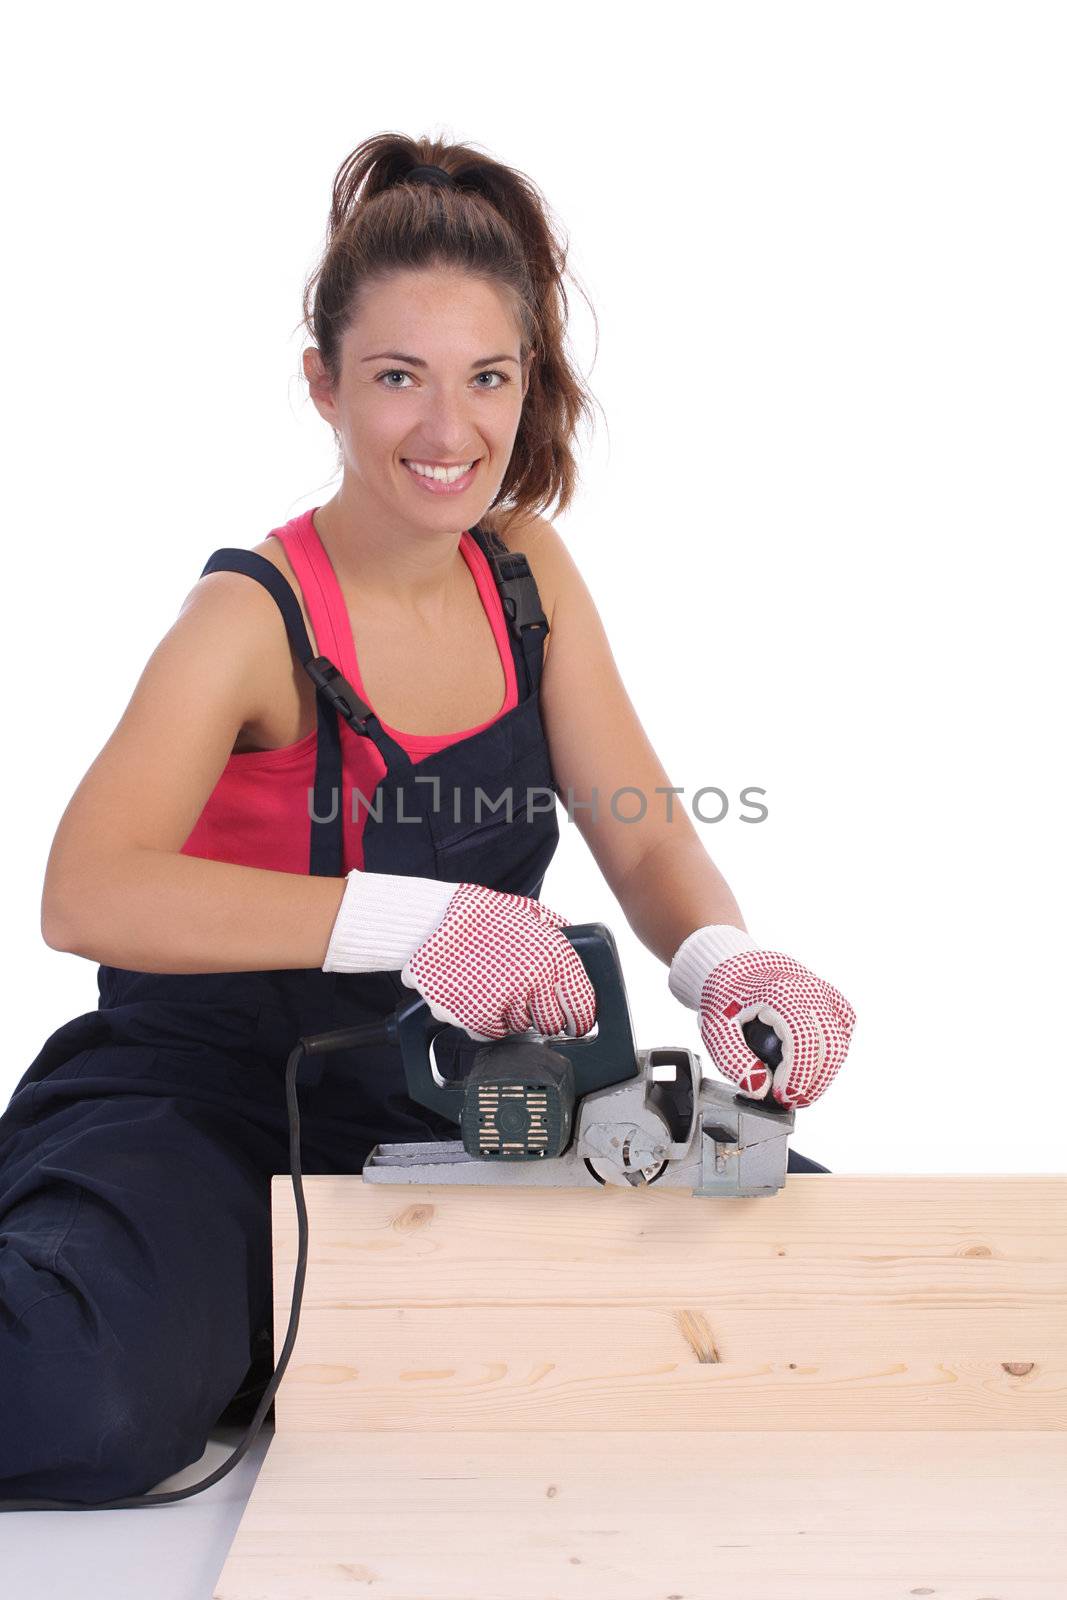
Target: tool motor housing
pixel 518 1102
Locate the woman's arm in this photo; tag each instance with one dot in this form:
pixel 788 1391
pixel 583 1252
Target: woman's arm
pixel 674 888
pixel 117 889
pixel 674 897
pixel 657 868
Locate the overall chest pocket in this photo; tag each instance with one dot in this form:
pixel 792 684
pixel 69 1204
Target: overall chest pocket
pixel 499 829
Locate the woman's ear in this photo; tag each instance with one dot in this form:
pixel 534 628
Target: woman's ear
pixel 319 385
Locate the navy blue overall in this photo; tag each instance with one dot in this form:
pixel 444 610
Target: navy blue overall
pixel 137 1150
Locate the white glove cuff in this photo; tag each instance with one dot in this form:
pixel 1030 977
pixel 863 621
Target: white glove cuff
pixel 383 919
pixel 696 956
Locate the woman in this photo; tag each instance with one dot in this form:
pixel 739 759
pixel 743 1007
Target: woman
pixel 230 917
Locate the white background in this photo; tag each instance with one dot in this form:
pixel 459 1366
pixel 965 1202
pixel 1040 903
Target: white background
pixel 826 249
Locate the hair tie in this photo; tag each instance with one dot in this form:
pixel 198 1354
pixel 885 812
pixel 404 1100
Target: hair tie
pixel 430 174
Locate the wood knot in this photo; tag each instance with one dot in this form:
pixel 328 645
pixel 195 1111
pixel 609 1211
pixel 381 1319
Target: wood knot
pixel 1018 1369
pixel 696 1331
pixel 417 1216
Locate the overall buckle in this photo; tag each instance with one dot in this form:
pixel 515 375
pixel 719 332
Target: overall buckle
pixel 522 601
pixel 338 692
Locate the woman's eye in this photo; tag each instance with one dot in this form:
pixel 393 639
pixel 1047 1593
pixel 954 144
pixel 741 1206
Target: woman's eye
pixel 398 372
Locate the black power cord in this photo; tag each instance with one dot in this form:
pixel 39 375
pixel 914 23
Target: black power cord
pixel 339 1039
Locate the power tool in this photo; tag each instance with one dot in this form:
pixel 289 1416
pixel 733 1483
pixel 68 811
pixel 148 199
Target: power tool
pixel 567 1112
pixel 583 1111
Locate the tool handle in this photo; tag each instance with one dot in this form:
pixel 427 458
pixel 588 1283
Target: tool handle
pixel 763 1042
pixel 607 1056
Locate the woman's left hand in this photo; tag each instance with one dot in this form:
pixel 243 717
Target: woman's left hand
pixel 722 972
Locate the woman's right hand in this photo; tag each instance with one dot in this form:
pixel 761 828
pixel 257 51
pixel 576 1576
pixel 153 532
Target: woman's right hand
pixel 489 962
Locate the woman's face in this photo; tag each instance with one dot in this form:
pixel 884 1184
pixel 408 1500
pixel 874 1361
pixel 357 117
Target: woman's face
pixel 430 373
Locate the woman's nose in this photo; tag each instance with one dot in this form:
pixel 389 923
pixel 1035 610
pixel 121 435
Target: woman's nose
pixel 448 426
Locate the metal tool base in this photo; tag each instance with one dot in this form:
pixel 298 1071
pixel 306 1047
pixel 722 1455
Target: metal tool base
pixel 666 1125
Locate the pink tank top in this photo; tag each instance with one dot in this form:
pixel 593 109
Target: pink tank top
pixel 258 814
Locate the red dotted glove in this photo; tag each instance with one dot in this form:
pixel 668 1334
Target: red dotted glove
pixel 498 965
pixel 485 961
pixel 722 972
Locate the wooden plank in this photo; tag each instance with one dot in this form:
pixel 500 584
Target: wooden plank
pixel 868 1302
pixel 652 1515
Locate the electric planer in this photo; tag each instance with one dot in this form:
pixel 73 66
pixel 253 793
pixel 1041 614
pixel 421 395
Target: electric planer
pixel 577 1112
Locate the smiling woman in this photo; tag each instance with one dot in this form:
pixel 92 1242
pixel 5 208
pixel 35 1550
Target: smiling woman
pixel 257 854
pixel 440 425
pixel 433 233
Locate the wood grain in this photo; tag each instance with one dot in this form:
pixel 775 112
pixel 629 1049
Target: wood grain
pixel 855 1389
pixel 655 1516
pixel 861 1302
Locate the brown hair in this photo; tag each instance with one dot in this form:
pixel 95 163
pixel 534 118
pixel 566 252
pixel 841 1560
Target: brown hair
pixel 496 225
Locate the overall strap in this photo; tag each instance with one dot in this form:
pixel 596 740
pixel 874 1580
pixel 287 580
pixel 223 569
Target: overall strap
pixel 335 697
pixel 521 602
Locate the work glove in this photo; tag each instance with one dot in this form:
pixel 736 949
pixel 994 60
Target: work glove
pixel 488 962
pixel 721 972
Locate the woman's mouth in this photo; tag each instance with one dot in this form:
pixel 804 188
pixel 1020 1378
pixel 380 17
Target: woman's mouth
pixel 441 480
